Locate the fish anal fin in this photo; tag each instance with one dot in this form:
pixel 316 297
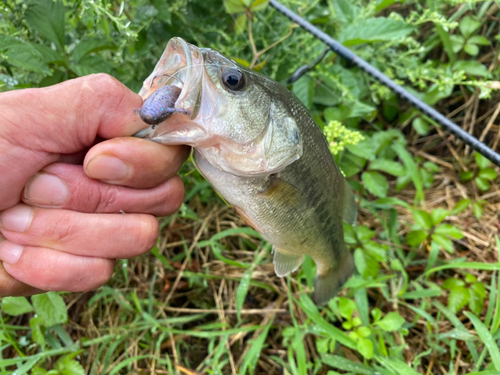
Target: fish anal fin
pixel 286 262
pixel 350 209
pixel 330 280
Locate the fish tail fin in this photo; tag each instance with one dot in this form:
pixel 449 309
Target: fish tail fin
pixel 350 212
pixel 330 280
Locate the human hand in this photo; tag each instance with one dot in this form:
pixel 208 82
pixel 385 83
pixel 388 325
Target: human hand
pixel 60 225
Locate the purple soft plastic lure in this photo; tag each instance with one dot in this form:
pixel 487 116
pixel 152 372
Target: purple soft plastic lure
pixel 160 105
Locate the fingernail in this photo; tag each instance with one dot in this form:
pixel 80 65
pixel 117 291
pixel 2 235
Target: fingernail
pixel 108 168
pixel 16 218
pixel 10 252
pixel 46 189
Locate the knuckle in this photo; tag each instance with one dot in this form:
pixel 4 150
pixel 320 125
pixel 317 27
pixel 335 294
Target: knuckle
pixel 108 199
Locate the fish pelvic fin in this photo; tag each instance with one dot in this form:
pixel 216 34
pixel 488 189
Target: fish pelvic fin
pixel 350 212
pixel 286 262
pixel 330 280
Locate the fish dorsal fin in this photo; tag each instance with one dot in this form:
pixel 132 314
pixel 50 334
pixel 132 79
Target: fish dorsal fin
pixel 286 262
pixel 350 208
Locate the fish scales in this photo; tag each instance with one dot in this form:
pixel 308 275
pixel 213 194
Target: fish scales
pixel 262 151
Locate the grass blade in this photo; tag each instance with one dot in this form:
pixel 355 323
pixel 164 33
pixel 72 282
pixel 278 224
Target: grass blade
pixel 486 338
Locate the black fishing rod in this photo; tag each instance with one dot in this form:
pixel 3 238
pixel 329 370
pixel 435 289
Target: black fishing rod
pixel 417 103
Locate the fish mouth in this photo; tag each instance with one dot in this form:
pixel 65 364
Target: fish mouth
pixel 180 65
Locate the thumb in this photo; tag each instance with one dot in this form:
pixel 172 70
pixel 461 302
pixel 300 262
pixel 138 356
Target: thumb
pixel 38 125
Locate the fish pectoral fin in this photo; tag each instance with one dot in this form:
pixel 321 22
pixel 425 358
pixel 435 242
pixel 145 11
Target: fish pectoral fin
pixel 350 212
pixel 281 191
pixel 330 280
pixel 286 262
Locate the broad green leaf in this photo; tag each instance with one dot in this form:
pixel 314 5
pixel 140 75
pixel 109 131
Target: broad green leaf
pixel 373 30
pixel 449 230
pixel 240 24
pixel 470 278
pixel 67 365
pixel 364 233
pixel 466 175
pixel 487 174
pixel 461 206
pixel 445 242
pixel 388 166
pixel 421 126
pixel 16 305
pixel 89 46
pixel 486 338
pixel 38 371
pixel 375 183
pixel 481 161
pixel 91 64
pixel 470 67
pixel 51 308
pixel 37 330
pixel 471 49
pixel 478 210
pixel 22 55
pixel 345 11
pixel 47 17
pixel 382 4
pixel 163 9
pixel 457 43
pixel 234 6
pixel 468 25
pixel 482 183
pixel 259 5
pixel 411 168
pixel 451 283
pixel 391 322
pixel 479 289
pixel 363 149
pixel 416 237
pixel 423 219
pixel 49 55
pixel 346 307
pixel 477 297
pixel 303 88
pixel 365 347
pixel 458 298
pixel 479 39
pixel 358 109
pixel 438 215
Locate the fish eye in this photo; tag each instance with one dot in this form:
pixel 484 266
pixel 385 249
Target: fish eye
pixel 233 79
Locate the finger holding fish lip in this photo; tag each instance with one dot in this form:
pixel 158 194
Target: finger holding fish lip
pixel 67 186
pixel 134 162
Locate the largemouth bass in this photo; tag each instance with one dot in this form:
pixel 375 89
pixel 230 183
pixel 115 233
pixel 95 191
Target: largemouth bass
pixel 259 147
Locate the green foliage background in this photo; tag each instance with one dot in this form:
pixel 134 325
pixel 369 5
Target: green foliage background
pixel 425 296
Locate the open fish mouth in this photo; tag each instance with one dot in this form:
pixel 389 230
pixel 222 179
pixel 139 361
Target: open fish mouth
pixel 180 65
